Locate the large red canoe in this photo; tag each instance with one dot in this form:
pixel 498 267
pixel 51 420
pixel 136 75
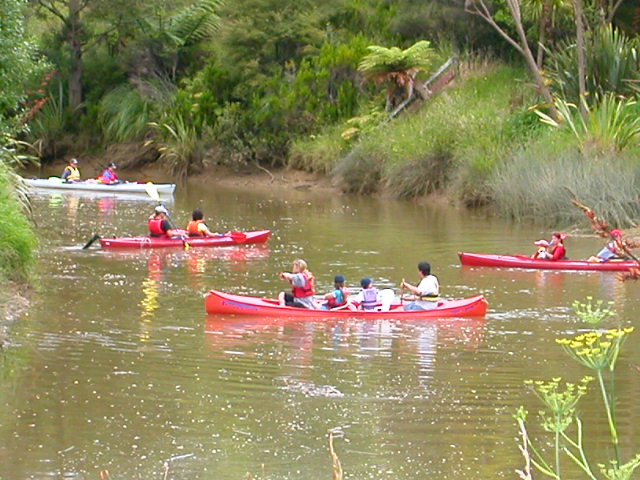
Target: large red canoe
pixel 226 303
pixel 230 238
pixel 522 261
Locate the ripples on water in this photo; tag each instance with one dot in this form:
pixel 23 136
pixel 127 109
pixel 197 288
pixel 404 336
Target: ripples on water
pixel 117 367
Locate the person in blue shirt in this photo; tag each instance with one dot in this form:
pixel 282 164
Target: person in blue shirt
pixel 338 296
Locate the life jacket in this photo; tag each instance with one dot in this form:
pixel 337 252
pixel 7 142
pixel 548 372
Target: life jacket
pixel 559 252
pixel 369 298
pixel 192 228
pixel 335 301
pixel 108 177
pixel 74 173
pixel 155 227
pixel 308 289
pixel 431 297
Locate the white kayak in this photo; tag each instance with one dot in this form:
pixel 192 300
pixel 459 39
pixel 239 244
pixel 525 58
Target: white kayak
pixel 56 183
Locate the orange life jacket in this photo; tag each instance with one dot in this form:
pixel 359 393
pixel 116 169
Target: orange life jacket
pixel 192 228
pixel 308 289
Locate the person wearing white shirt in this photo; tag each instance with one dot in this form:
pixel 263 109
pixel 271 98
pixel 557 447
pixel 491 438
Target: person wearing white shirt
pixel 427 293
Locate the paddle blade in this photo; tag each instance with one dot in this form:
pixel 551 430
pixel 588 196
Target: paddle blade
pixel 90 242
pixel 152 191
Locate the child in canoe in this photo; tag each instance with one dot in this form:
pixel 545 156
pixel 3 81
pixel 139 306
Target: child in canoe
pixel 612 250
pixel 338 296
pixel 303 286
pixel 541 253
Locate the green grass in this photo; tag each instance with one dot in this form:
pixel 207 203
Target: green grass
pixel 460 135
pixel 538 183
pixel 17 238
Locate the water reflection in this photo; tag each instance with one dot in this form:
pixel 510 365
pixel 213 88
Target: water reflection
pixel 123 370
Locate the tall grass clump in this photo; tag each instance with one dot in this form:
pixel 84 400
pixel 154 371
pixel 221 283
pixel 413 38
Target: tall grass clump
pixel 611 124
pixel 124 114
pixel 360 172
pixel 50 123
pixel 538 183
pixel 17 238
pixel 317 153
pixel 181 145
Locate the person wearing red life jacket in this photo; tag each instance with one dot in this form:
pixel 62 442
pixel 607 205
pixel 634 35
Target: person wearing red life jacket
pixel 556 246
pixel 109 176
pixel 160 226
pixel 338 297
pixel 303 286
pixel 197 228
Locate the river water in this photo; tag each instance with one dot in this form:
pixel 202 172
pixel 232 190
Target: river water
pixel 117 366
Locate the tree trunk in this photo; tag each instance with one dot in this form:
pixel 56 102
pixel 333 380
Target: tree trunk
pixel 76 68
pixel 542 31
pixel 478 7
pixel 581 49
pixel 514 6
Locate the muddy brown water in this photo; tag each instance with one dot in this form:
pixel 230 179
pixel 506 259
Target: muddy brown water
pixel 116 366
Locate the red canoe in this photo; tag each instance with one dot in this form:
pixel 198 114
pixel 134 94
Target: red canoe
pixel 231 238
pixel 522 261
pixel 225 303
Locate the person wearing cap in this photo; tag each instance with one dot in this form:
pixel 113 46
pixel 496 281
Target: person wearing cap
pixel 159 225
pixel 338 296
pixel 196 227
pixel 367 298
pixel 71 172
pixel 109 176
pixel 612 250
pixel 426 294
pixel 302 286
pixel 541 253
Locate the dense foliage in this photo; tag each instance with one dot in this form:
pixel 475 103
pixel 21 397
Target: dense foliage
pixel 283 82
pixel 17 64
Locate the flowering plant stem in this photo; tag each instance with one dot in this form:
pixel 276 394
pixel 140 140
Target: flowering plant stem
pixel 610 416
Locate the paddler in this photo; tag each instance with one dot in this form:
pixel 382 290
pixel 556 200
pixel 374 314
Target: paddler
pixel 427 293
pixel 109 176
pixel 197 228
pixel 71 172
pixel 303 286
pixel 160 226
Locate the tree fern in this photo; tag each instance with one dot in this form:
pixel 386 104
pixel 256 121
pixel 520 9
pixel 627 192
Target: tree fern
pixel 196 23
pixel 382 61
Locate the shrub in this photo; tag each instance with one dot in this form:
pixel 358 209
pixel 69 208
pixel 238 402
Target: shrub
pixel 359 172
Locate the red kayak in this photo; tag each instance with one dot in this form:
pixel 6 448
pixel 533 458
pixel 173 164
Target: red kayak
pixel 522 261
pixel 226 303
pixel 223 240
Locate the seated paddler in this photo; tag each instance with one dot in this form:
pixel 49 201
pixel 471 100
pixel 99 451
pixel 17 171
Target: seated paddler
pixel 71 172
pixel 425 295
pixel 197 228
pixel 160 226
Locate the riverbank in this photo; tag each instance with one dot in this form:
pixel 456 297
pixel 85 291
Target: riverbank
pixel 14 302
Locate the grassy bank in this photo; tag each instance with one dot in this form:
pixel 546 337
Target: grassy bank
pixel 481 144
pixel 17 238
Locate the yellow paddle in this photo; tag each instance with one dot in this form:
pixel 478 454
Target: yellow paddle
pixel 152 191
